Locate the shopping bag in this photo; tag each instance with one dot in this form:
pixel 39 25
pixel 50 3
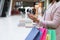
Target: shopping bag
pixel 38 35
pixel 48 37
pixel 33 34
pixel 43 34
pixel 52 34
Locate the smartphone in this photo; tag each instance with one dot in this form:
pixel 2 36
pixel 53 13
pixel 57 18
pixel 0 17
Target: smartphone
pixel 31 11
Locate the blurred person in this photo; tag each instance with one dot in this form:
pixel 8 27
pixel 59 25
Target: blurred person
pixel 51 18
pixel 39 9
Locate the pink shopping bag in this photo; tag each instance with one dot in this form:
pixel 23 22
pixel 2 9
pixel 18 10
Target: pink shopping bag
pixel 43 34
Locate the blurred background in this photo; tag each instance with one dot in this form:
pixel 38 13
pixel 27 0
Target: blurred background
pixel 21 7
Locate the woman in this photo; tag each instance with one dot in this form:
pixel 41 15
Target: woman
pixel 39 9
pixel 51 17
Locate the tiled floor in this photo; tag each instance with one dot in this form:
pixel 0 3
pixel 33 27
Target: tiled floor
pixel 9 29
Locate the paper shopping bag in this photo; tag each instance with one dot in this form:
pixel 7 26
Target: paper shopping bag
pixel 48 37
pixel 44 33
pixel 52 34
pixel 33 34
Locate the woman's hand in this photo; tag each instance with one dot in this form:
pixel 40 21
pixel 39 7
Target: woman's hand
pixel 32 17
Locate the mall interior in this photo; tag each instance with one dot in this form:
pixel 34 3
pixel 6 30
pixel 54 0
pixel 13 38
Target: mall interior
pixel 14 21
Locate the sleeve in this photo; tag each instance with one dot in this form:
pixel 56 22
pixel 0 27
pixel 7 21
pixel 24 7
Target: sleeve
pixel 54 23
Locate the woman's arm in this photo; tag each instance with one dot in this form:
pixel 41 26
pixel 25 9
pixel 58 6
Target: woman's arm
pixel 54 23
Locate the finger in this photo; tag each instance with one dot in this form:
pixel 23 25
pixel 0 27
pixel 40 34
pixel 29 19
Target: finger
pixel 30 15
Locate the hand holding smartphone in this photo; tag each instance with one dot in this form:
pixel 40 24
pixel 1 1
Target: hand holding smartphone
pixel 32 17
